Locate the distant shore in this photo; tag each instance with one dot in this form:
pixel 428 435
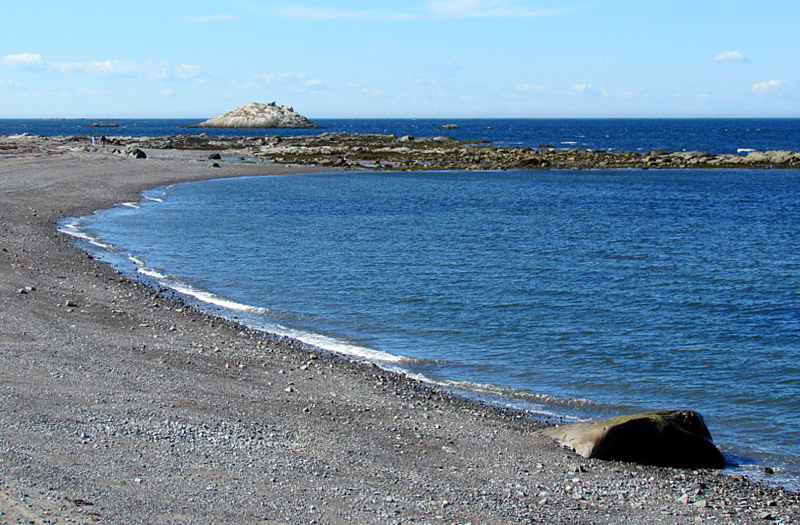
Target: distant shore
pixel 121 404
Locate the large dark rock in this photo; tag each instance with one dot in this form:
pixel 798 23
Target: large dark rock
pixel 677 438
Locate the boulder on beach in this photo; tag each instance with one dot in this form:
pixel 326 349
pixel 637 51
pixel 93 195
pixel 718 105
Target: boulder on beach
pixel 676 438
pixel 257 115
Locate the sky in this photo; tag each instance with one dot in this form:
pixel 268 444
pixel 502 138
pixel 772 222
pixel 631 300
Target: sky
pixel 401 58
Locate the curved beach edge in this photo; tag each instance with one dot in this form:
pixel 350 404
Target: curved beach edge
pixel 121 404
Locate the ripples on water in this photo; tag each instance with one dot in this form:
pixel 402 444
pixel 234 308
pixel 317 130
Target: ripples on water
pixel 584 294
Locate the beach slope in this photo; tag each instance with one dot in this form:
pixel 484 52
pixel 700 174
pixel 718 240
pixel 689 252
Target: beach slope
pixel 119 404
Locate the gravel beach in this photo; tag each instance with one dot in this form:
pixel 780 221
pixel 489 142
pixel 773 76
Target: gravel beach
pixel 119 404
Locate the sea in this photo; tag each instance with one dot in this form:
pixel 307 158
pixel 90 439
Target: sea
pixel 571 295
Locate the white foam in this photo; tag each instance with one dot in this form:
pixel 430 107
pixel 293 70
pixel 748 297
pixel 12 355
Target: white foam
pixel 150 272
pixel 102 245
pixel 511 394
pixel 134 260
pixel 211 298
pixel 133 205
pixel 745 150
pixel 337 346
pixel 154 199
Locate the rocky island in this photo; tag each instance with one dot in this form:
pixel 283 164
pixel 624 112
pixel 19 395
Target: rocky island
pixel 257 115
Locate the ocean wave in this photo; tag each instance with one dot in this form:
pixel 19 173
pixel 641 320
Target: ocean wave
pixel 149 272
pixel 73 229
pixel 211 298
pixel 338 346
pixel 514 397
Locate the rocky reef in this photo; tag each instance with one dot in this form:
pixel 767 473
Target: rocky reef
pixel 388 152
pixel 354 151
pixel 257 115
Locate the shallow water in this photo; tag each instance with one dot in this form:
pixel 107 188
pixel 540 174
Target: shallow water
pixel 578 293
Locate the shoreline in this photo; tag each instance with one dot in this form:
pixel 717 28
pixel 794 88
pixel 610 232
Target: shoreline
pixel 124 405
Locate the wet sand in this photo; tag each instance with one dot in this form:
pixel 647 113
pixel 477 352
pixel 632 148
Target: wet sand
pixel 122 405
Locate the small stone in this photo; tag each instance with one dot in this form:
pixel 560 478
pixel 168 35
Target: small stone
pixel 766 516
pixel 768 470
pixel 684 499
pixel 701 503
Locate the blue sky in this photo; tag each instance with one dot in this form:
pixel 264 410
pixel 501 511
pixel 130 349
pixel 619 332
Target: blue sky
pixel 410 58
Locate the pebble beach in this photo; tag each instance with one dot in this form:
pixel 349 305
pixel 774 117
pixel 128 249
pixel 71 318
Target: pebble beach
pixel 121 404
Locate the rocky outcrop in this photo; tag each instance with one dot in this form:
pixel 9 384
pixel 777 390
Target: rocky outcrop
pixel 131 151
pixel 677 438
pixel 257 115
pixel 389 152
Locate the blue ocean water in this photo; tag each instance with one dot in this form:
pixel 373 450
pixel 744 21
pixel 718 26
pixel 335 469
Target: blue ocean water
pixel 583 294
pixel 713 135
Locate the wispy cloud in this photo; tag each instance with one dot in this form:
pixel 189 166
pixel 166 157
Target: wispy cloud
pixel 485 9
pixel 433 9
pixel 769 85
pixel 321 14
pixel 205 19
pixel 584 88
pixel 27 61
pixel 287 80
pixel 108 67
pixel 731 56
pixel 530 88
pixel 186 71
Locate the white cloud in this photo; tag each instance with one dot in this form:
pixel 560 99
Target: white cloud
pixel 769 85
pixel 321 14
pixel 29 61
pixel 582 88
pixel 287 80
pixel 484 9
pixel 7 83
pixel 433 9
pixel 113 67
pixel 204 19
pixel 315 83
pixel 185 71
pixel 731 56
pixel 530 88
pixel 109 67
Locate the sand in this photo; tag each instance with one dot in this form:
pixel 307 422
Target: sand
pixel 119 404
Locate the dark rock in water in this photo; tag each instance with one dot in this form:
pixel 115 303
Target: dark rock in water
pixel 215 156
pixel 449 126
pixel 677 438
